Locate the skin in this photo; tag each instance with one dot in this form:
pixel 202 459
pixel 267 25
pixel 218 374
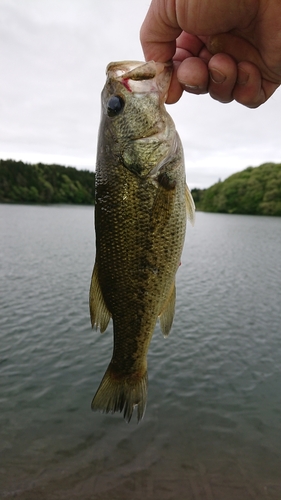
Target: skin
pixel 230 49
pixel 140 219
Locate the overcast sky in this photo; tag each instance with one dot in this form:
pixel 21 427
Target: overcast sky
pixel 53 55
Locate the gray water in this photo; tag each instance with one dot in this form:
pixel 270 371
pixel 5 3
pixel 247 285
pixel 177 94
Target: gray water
pixel 212 427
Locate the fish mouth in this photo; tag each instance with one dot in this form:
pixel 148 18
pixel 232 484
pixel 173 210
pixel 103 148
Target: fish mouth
pixel 142 77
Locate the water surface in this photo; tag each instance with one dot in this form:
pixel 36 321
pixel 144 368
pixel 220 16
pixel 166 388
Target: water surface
pixel 212 427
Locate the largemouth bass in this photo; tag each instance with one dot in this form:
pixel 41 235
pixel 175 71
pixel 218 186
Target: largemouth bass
pixel 142 203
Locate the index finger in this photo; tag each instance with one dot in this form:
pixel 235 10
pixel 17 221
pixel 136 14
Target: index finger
pixel 158 35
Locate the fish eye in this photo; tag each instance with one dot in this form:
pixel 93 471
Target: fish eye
pixel 115 105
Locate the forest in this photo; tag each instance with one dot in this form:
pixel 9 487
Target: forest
pixel 255 191
pixel 25 183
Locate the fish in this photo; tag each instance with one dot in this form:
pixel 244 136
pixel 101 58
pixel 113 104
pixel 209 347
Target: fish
pixel 142 204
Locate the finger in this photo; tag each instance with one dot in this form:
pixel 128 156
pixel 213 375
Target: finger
pixel 241 50
pixel 193 75
pixel 175 89
pixel 188 42
pixel 223 75
pixel 158 34
pixel 251 90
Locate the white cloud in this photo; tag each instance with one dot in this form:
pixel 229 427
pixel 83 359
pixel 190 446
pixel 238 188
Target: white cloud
pixel 52 64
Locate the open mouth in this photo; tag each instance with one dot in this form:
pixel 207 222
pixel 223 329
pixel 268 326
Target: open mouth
pixel 142 77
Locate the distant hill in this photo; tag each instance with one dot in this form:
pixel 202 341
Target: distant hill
pixel 25 183
pixel 255 191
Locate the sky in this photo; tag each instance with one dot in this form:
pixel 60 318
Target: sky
pixel 53 55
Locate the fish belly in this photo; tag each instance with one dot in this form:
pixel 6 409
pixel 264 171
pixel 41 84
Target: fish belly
pixel 140 228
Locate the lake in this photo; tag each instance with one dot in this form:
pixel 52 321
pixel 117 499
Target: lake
pixel 212 427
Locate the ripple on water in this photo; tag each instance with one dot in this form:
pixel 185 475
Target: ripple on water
pixel 212 424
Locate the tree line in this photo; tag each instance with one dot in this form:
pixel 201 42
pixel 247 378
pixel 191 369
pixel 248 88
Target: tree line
pixel 255 191
pixel 25 183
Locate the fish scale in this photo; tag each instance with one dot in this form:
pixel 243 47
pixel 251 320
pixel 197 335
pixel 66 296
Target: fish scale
pixel 140 218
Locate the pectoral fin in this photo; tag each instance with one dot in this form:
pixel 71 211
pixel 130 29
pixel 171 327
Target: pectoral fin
pixel 167 314
pixel 190 206
pixel 100 315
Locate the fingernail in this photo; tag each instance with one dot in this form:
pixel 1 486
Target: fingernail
pixel 242 77
pixel 192 89
pixel 217 76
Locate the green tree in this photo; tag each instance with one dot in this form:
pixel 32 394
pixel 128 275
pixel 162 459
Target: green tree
pixel 24 183
pixel 252 191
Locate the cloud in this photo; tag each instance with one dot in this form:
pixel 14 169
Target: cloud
pixel 53 60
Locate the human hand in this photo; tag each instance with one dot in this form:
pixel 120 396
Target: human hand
pixel 230 49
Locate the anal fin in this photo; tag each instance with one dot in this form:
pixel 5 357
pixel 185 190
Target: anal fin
pixel 100 315
pixel 167 314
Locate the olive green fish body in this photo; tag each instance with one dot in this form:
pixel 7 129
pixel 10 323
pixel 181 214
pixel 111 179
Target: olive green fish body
pixel 140 219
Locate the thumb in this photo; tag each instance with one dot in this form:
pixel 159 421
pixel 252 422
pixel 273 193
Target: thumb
pixel 158 35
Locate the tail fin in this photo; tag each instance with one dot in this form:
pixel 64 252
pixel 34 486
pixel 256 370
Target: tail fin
pixel 121 394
